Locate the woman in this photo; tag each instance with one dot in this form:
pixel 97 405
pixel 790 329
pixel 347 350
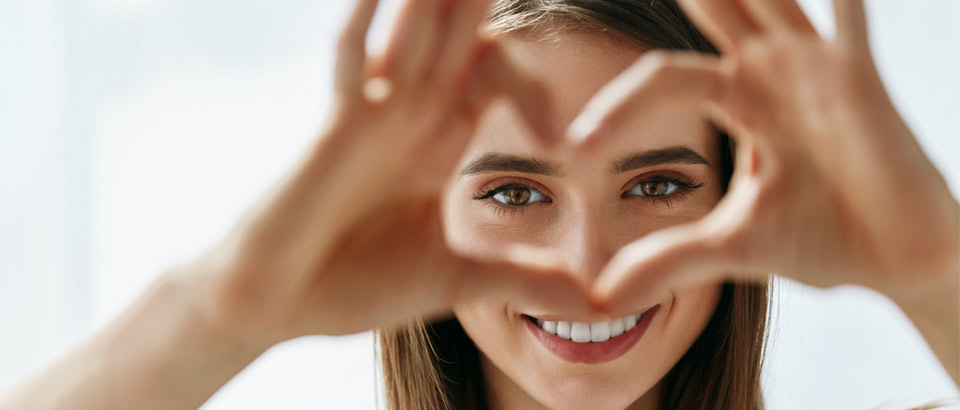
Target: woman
pixel 584 207
pixel 606 269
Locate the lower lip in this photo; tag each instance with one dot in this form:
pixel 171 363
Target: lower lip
pixel 593 352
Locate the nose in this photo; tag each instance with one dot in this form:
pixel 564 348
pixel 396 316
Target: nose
pixel 585 241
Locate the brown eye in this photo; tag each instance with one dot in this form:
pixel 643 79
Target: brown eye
pixel 518 196
pixel 654 188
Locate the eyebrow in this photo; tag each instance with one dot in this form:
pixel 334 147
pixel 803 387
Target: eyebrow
pixel 500 162
pixel 672 155
pixel 494 162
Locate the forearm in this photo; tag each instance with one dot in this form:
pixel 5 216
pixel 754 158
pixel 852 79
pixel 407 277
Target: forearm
pixel 938 320
pixel 163 352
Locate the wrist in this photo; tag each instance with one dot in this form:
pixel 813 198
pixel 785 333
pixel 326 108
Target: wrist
pixel 934 309
pixel 931 267
pixel 939 293
pixel 215 309
pixel 202 316
pixel 935 289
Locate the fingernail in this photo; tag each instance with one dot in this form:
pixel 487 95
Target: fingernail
pixel 377 89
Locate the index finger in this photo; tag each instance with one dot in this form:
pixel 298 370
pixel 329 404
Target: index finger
pixel 658 79
pixel 352 49
pixel 464 23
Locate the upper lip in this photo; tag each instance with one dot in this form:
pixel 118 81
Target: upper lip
pixel 590 319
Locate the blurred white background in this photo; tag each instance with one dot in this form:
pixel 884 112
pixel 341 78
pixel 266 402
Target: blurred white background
pixel 134 132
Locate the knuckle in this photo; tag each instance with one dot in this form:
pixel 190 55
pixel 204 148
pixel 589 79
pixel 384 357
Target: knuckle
pixel 753 48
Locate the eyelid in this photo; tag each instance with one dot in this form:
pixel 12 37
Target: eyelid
pixel 661 175
pixel 504 182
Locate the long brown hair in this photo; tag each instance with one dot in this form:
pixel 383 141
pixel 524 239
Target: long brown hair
pixel 437 366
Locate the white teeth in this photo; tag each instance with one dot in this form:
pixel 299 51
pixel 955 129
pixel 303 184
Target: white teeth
pixel 563 330
pixel 581 332
pixel 600 332
pixel 616 327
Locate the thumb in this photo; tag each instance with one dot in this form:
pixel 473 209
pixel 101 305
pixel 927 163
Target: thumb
pixel 674 258
pixel 352 50
pixel 657 80
pixel 851 21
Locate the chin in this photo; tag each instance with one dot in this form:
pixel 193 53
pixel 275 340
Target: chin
pixel 588 392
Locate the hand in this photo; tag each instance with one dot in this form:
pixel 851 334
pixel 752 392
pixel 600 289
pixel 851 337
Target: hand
pixel 830 186
pixel 352 240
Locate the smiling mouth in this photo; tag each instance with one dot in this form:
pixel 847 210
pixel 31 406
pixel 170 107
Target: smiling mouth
pixel 590 343
pixel 581 332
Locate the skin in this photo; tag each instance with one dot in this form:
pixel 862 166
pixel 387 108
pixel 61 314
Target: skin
pixel 339 246
pixel 584 223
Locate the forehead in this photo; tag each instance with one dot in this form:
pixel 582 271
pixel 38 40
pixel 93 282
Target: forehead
pixel 573 68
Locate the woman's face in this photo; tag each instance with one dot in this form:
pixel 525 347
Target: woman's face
pixel 583 207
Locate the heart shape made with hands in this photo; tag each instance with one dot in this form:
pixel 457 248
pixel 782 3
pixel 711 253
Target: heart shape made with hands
pixel 809 117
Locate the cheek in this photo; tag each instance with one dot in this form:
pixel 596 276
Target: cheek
pixel 473 229
pixel 482 323
pixel 487 324
pixel 500 341
pixel 690 311
pixel 457 222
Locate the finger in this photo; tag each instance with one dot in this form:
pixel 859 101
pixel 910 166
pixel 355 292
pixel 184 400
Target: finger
pixel 672 259
pixel 658 80
pixel 779 15
pixel 459 38
pixel 851 23
pixel 352 50
pixel 724 21
pixel 527 275
pixel 496 74
pixel 414 38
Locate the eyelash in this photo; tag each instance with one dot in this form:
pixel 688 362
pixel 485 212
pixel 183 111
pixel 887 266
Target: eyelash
pixel 684 188
pixel 501 209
